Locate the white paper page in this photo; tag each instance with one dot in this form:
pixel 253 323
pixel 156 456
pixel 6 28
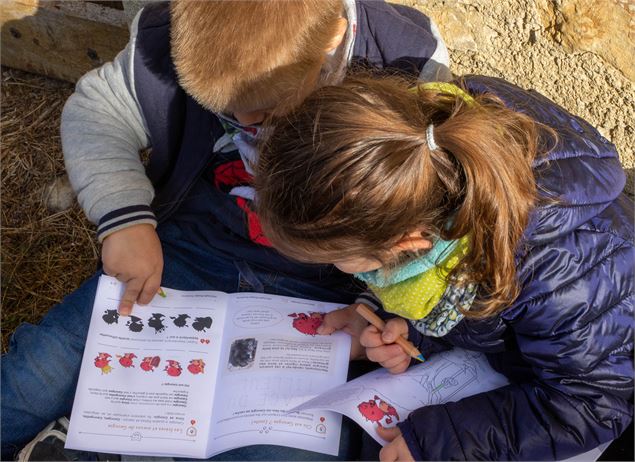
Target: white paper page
pixel 589 456
pixel 272 361
pixel 147 381
pixel 382 398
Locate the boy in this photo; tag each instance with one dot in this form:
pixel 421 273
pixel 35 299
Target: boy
pixel 194 82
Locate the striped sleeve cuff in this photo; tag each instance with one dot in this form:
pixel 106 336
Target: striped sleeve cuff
pixel 124 218
pixel 367 298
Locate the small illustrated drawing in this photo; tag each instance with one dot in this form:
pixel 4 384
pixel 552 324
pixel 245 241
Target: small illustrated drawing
pixel 242 352
pixel 377 410
pixel 127 359
pixel 197 366
pixel 102 361
pixel 173 368
pixel 135 324
pixel 150 362
pixel 156 322
pixel 110 317
pixel 200 324
pixel 180 320
pixel 448 380
pixel 307 323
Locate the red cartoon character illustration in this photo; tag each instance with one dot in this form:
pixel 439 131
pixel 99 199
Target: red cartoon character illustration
pixel 197 366
pixel 149 363
pixel 173 368
pixel 307 323
pixel 376 409
pixel 102 361
pixel 126 359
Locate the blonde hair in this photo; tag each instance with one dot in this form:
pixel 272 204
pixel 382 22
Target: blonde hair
pixel 249 55
pixel 350 172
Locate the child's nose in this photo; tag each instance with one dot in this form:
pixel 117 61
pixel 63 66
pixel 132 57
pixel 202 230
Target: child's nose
pixel 250 118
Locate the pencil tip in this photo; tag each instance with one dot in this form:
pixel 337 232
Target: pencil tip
pixel 421 358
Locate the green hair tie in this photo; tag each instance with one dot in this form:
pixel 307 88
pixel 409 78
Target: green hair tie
pixel 448 89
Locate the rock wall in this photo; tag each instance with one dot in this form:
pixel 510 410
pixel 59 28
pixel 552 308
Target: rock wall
pixel 579 53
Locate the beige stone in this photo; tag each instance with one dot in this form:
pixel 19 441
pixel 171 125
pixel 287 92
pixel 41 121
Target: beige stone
pixel 530 43
pixel 604 27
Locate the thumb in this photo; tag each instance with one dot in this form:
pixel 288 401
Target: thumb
pixel 388 434
pixel 394 328
pixel 335 320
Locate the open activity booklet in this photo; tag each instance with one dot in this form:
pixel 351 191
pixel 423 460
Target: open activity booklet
pixel 194 374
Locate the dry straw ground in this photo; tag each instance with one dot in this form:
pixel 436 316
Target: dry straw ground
pixel 45 254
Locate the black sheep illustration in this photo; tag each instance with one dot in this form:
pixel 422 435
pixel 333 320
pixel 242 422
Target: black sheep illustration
pixel 200 324
pixel 111 317
pixel 156 322
pixel 180 320
pixel 135 324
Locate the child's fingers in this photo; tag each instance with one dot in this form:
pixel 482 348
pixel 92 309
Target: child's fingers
pixel 388 434
pixel 389 453
pixel 133 287
pixel 325 330
pixel 400 367
pixel 384 353
pixel 339 319
pixel 395 327
pixel 371 337
pixel 150 289
pixel 333 321
pixel 396 450
pixel 394 361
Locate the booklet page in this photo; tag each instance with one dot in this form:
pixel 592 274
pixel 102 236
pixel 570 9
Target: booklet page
pixel 271 361
pixel 384 399
pixel 147 380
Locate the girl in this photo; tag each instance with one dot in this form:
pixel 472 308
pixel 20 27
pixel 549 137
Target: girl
pixel 482 216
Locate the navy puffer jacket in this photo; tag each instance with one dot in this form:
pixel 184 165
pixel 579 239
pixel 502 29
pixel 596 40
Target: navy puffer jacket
pixel 566 344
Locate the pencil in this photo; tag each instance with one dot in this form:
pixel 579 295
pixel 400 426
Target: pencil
pixel 370 316
pixel 161 292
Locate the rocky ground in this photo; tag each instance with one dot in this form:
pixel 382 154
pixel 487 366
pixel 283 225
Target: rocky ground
pixel 579 53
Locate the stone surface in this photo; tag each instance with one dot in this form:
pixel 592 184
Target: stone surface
pixel 561 48
pixel 603 27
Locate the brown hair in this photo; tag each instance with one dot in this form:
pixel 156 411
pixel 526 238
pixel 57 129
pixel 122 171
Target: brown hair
pixel 349 173
pixel 249 55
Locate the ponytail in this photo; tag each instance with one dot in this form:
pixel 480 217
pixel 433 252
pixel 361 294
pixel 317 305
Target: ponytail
pixel 494 148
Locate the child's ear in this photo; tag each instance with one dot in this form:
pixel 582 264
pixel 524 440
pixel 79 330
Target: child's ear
pixel 413 242
pixel 342 25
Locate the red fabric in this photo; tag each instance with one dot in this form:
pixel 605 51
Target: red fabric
pixel 255 230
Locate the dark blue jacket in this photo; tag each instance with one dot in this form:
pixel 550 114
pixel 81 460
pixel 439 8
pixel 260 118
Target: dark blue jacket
pixel 566 344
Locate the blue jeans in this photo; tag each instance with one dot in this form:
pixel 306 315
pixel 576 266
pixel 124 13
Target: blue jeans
pixel 40 371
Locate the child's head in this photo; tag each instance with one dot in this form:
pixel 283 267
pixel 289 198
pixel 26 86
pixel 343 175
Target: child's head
pixel 350 175
pixel 249 57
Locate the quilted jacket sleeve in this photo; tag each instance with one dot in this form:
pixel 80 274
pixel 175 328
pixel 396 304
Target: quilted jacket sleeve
pixel 574 331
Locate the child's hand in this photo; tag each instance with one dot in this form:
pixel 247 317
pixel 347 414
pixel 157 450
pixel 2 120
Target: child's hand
pixel 380 346
pixel 397 449
pixel 133 255
pixel 349 321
